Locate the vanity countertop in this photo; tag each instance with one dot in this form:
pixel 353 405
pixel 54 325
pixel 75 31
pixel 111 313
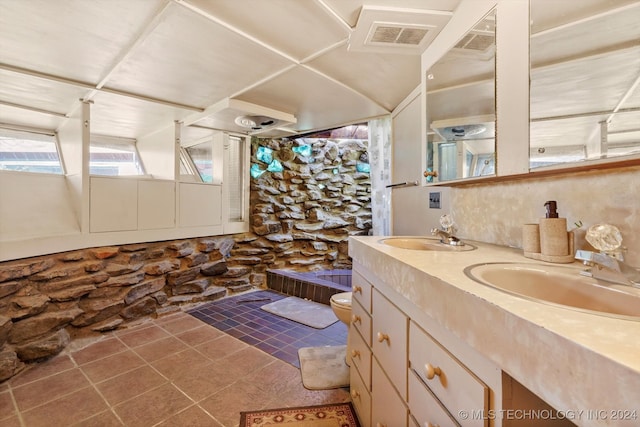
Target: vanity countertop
pixel 574 361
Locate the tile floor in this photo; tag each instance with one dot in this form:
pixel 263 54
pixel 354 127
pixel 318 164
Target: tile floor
pixel 172 371
pixel 240 316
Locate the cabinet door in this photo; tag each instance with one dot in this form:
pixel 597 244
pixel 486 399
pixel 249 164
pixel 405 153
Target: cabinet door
pixel 425 407
pixel 360 397
pixel 361 290
pixel 361 321
pixel 360 357
pixel 451 382
pixel 387 407
pixel 390 326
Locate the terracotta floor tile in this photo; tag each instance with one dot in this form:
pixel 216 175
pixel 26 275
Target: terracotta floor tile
pixel 12 421
pixel 221 347
pixel 35 372
pixel 99 350
pixel 7 409
pixel 46 389
pixel 142 335
pixel 192 417
pixel 181 324
pixel 200 335
pixel 152 407
pixel 161 348
pixel 248 360
pixel 179 364
pixel 226 404
pixel 66 410
pixel 276 378
pixel 103 419
pixel 128 385
pixel 207 380
pixel 113 365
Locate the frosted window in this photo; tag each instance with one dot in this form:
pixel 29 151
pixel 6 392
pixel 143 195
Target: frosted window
pixel 234 165
pixel 202 157
pixel 114 157
pixel 29 152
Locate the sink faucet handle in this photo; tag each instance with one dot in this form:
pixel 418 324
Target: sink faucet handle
pixel 446 222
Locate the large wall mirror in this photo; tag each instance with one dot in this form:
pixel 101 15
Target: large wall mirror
pixel 461 108
pixel 585 81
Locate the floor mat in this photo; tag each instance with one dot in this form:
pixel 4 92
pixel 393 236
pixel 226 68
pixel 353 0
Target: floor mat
pixel 328 415
pixel 324 368
pixel 308 313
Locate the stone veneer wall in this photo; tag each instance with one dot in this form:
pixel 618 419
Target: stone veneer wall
pixel 301 220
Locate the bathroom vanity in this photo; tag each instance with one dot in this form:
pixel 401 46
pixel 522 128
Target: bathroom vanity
pixel 432 347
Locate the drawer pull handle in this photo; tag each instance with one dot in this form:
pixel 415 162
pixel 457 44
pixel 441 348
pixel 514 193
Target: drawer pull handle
pixel 432 371
pixel 356 319
pixel 428 424
pixel 355 394
pixel 357 289
pixel 381 425
pixel 383 337
pixel 355 353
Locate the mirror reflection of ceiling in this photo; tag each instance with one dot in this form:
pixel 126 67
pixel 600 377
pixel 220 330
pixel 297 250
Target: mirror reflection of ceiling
pixel 585 80
pixel 466 72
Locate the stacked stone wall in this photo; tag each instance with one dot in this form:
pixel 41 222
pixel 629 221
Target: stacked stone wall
pixel 301 219
pixel 303 215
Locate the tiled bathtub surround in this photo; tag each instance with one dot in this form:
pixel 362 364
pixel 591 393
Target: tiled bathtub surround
pixel 316 286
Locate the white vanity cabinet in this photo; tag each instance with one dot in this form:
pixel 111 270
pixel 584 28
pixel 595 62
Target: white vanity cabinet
pixel 400 374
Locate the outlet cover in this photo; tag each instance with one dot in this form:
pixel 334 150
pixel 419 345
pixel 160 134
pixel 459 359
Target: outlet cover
pixel 434 200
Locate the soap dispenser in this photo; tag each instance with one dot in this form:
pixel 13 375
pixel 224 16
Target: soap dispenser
pixel 553 232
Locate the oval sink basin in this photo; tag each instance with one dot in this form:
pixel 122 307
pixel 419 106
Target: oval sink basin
pixel 423 244
pixel 562 286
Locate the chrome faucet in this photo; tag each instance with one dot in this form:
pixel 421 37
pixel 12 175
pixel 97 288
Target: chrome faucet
pixel 446 237
pixel 608 268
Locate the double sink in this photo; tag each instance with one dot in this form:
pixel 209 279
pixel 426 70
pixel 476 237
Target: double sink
pixel 561 286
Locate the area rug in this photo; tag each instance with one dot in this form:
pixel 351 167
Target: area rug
pixel 324 368
pixel 299 310
pixel 330 415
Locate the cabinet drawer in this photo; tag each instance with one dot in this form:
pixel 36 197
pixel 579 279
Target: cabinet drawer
pixel 360 398
pixel 361 290
pixel 390 341
pixel 453 384
pixel 361 357
pixel 387 407
pixel 424 406
pixel 361 320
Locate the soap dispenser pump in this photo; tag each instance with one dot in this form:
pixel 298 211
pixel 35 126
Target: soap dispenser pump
pixel 552 209
pixel 553 232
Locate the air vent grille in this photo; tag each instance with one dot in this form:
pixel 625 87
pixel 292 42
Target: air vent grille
pixel 391 34
pixel 477 42
pixel 482 37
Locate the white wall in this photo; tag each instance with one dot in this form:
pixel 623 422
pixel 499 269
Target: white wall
pixel 33 205
pixel 411 214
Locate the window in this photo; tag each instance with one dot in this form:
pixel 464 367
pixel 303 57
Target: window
pixel 202 156
pixel 114 156
pixel 234 177
pixel 29 151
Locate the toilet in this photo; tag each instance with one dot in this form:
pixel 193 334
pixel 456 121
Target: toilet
pixel 341 305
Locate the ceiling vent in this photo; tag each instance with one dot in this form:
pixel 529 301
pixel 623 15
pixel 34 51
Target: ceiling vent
pixel 481 39
pixel 465 128
pixel 244 117
pixel 395 30
pixel 397 34
pixel 255 122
